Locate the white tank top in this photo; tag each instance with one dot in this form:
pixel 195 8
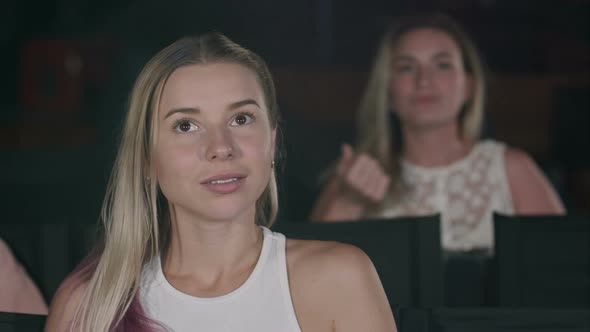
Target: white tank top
pixel 262 303
pixel 465 193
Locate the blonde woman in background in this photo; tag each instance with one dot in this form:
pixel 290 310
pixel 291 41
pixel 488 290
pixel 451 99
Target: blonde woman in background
pixel 193 190
pixel 418 149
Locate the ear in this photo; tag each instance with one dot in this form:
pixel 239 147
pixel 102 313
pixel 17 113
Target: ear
pixel 147 174
pixel 149 169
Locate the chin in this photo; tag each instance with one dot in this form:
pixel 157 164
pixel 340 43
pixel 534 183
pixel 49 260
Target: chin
pixel 428 119
pixel 227 210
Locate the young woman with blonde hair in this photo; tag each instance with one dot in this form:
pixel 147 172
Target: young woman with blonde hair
pixel 418 149
pixel 186 245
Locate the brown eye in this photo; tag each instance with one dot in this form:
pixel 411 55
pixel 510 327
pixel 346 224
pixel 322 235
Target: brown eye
pixel 185 126
pixel 242 119
pixel 444 65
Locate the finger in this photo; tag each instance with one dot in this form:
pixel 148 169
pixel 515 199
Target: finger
pixel 347 151
pixel 346 158
pixel 373 187
pixel 377 181
pixel 357 172
pixel 362 175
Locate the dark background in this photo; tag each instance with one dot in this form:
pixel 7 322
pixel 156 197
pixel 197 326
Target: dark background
pixel 67 67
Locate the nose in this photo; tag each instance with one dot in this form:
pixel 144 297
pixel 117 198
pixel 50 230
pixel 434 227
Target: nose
pixel 424 77
pixel 221 146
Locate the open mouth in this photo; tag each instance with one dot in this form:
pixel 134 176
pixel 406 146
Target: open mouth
pixel 222 181
pixel 225 183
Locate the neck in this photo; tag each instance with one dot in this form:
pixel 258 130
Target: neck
pixel 434 147
pixel 207 249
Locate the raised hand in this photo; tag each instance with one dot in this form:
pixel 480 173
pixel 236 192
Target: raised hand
pixel 363 174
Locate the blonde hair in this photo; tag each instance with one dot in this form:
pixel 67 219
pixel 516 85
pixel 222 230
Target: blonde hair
pixel 134 215
pixel 378 129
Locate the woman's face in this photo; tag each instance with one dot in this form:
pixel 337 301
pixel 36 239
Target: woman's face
pixel 428 83
pixel 215 142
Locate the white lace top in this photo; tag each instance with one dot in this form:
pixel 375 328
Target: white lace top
pixel 465 193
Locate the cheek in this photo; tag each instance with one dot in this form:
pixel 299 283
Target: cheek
pixel 256 145
pixel 455 88
pixel 173 159
pixel 257 154
pixel 399 88
pixel 452 82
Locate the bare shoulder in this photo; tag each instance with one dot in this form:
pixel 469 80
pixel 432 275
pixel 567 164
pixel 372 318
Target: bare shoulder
pixel 335 285
pixel 64 304
pixel 328 257
pixel 531 191
pixel 518 161
pixel 520 168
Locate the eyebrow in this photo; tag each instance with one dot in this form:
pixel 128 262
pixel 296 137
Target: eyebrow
pixel 241 103
pixel 444 54
pixel 196 110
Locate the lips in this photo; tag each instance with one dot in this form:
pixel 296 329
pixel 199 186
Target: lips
pixel 221 178
pixel 224 183
pixel 425 99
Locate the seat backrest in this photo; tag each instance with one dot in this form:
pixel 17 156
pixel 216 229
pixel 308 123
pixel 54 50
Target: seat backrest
pixel 405 251
pixel 492 320
pixel 542 261
pixel 49 251
pixel 12 322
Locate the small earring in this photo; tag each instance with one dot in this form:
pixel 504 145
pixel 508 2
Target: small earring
pixel 272 164
pixel 148 179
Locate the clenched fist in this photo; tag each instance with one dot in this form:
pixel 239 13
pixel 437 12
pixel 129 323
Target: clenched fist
pixel 363 174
